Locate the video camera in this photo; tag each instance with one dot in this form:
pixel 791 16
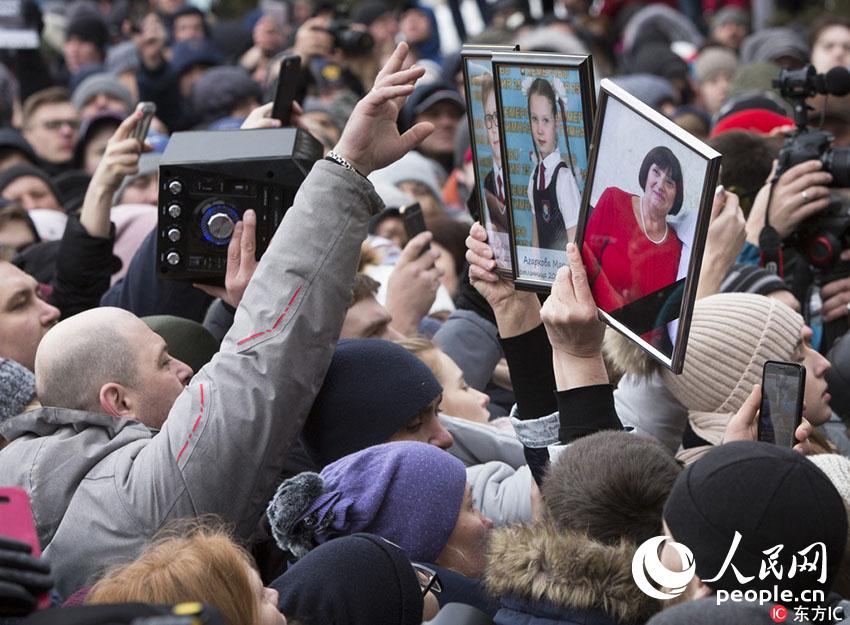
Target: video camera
pixel 351 41
pixel 208 179
pixel 822 237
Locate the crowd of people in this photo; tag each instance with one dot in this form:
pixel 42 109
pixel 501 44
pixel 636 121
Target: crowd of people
pixel 364 427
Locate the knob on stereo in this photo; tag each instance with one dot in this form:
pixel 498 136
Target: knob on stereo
pixel 175 187
pixel 220 226
pixel 172 258
pixel 218 220
pixel 174 235
pixel 174 210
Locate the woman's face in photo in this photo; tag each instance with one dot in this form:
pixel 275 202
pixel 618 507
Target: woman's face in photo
pixel 542 124
pixel 493 127
pixel 660 189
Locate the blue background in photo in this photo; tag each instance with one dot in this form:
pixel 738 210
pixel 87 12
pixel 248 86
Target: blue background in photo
pixel 520 145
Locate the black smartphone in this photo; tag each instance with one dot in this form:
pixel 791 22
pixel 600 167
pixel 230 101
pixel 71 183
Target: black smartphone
pixel 287 83
pixel 148 110
pixel 414 222
pixel 783 385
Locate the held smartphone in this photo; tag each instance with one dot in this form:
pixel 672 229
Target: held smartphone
pixel 782 388
pixel 16 522
pixel 287 82
pixel 148 110
pixel 414 222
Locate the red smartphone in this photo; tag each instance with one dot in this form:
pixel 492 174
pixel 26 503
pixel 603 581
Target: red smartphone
pixel 287 83
pixel 16 522
pixel 783 386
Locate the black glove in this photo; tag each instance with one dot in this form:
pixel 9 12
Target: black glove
pixel 23 578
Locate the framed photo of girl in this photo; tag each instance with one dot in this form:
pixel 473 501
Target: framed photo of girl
pixel 483 120
pixel 644 221
pixel 546 104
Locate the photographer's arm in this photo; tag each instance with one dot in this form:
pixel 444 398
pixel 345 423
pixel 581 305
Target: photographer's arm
pixel 799 193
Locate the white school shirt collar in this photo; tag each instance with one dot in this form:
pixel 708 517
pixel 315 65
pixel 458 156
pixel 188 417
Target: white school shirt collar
pixel 551 164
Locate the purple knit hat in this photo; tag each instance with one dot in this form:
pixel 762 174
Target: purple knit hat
pixel 406 492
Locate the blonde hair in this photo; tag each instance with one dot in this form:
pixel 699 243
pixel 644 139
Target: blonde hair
pixel 425 350
pixel 203 564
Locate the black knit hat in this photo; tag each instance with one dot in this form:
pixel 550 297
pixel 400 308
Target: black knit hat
pixel 370 10
pixel 372 389
pixel 354 580
pixel 7 176
pixel 772 496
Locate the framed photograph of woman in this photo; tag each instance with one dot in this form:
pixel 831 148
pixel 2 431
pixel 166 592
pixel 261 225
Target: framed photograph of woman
pixel 546 103
pixel 644 221
pixel 483 120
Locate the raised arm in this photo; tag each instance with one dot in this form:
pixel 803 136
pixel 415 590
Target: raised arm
pixel 85 269
pixel 222 448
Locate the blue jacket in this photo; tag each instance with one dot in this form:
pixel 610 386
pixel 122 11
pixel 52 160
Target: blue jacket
pixel 546 575
pixel 526 612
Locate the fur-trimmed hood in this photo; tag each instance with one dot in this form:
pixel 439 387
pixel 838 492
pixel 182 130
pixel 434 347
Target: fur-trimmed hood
pixel 540 563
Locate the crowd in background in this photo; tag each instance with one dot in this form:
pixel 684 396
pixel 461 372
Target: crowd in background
pixel 366 428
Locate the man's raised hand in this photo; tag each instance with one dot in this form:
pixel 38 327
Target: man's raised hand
pixel 371 139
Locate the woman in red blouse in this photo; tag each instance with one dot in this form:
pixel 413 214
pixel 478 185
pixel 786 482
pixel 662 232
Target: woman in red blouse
pixel 629 249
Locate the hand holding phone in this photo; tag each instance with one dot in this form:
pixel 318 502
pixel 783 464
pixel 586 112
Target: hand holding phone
pixel 781 410
pixel 24 577
pixel 414 222
pixel 287 83
pixel 148 110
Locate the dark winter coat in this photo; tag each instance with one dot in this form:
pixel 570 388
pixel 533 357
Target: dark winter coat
pixel 549 576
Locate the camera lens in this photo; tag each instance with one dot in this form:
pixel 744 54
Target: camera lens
pixel 837 162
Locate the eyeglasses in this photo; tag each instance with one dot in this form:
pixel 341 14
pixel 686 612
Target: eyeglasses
pixel 491 121
pixel 56 124
pixel 428 579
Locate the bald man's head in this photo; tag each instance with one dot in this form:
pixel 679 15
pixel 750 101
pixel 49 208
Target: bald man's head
pixel 106 360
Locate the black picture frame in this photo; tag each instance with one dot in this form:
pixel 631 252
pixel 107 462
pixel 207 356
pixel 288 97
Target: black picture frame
pixel 535 266
pixel 479 57
pixel 657 320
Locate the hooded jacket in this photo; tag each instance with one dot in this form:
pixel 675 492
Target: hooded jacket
pixel 102 487
pixel 549 576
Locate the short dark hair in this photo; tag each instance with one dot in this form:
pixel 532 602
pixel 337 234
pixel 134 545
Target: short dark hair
pixel 747 162
pixel 364 286
pixel 824 22
pixel 663 158
pixel 612 486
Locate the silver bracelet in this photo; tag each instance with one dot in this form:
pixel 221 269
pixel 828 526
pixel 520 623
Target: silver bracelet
pixel 336 158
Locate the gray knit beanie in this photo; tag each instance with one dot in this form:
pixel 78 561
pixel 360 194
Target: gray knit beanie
pixel 101 83
pixel 714 61
pixel 772 43
pixel 17 388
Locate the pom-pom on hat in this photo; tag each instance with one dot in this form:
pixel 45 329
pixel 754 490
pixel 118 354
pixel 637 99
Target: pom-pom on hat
pixel 407 492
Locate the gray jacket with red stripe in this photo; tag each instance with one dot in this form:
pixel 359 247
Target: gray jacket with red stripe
pixel 101 487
